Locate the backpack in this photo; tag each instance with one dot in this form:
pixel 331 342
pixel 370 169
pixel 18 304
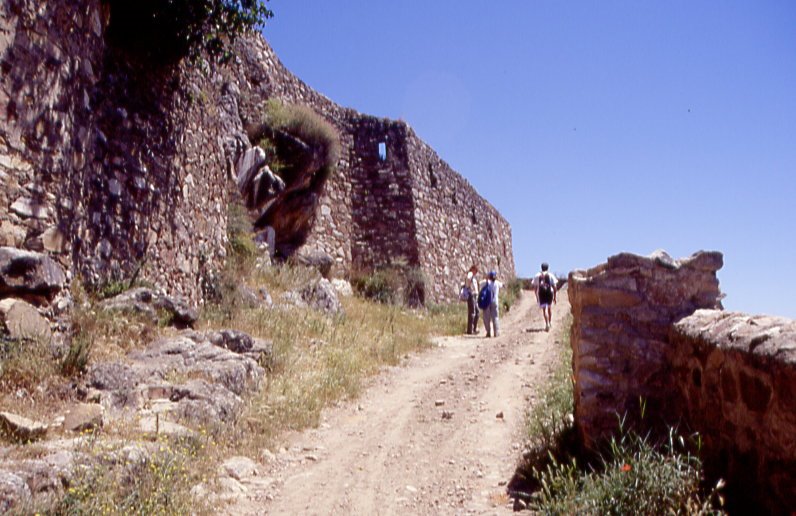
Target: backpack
pixel 464 293
pixel 545 285
pixel 485 297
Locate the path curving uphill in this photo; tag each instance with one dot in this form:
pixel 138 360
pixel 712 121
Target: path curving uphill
pixel 439 435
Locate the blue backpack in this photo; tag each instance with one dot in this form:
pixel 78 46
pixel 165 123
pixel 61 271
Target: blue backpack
pixel 485 297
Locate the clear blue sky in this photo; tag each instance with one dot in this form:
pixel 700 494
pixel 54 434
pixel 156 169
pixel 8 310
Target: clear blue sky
pixel 595 127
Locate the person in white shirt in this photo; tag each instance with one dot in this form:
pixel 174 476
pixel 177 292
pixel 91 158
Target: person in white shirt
pixel 471 284
pixel 544 285
pixel 491 311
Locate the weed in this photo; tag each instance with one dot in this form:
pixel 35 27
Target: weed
pixel 509 294
pixel 632 476
pixel 398 283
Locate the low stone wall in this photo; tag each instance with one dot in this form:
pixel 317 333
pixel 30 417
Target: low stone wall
pixel 622 312
pixel 735 376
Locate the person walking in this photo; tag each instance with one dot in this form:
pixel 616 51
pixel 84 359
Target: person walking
pixel 544 285
pixel 490 304
pixel 471 284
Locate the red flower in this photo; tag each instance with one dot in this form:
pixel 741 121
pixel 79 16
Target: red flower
pixel 626 467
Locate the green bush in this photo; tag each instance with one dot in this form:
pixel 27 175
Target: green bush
pixel 634 477
pixel 168 30
pixel 300 122
pixel 509 294
pixel 397 284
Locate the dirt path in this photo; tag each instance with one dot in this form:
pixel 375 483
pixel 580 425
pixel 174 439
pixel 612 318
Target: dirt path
pixel 393 452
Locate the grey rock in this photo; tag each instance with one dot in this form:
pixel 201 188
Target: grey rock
pixel 322 296
pixel 14 491
pixel 319 260
pixel 20 428
pixel 27 208
pixel 23 321
pixel 343 287
pixel 27 272
pixel 11 235
pixel 239 468
pixel 84 416
pixel 112 376
pixel 147 302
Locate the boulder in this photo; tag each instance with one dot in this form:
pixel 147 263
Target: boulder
pixel 21 429
pixel 28 272
pixel 23 321
pixel 239 468
pixel 319 260
pixel 322 296
pixel 201 374
pixel 14 491
pixel 11 235
pixel 343 287
pixel 83 417
pixel 147 302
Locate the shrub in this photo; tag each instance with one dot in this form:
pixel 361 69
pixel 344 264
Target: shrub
pixel 393 284
pixel 509 294
pixel 300 122
pixel 168 30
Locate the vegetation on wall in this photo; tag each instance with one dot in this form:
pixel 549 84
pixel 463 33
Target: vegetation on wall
pixel 168 30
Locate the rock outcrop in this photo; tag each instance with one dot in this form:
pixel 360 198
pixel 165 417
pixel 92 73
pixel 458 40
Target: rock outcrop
pixel 204 375
pixel 145 301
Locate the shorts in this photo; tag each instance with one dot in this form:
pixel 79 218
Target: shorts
pixel 545 305
pixel 545 298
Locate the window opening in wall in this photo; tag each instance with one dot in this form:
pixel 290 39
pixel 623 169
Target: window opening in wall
pixel 454 199
pixel 472 216
pixel 432 176
pixel 382 151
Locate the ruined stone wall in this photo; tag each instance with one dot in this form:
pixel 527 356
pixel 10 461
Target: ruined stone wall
pixel 119 169
pixel 622 312
pixel 374 212
pixel 383 201
pixel 456 228
pixel 735 375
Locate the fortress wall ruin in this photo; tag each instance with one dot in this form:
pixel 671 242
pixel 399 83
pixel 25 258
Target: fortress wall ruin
pixel 648 332
pixel 122 171
pixel 374 212
pixel 456 228
pixel 116 171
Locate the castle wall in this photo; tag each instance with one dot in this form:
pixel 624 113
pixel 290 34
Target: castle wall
pixel 118 170
pixel 375 212
pixel 456 228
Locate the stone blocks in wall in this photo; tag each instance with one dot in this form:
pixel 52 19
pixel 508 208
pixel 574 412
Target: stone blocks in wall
pixel 735 375
pixel 622 311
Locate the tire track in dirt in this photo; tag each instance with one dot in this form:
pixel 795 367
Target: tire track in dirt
pixel 393 452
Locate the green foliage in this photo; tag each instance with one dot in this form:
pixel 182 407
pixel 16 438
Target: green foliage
pixel 397 284
pixel 156 480
pixel 242 250
pixel 634 477
pixel 303 123
pixel 509 294
pixel 168 30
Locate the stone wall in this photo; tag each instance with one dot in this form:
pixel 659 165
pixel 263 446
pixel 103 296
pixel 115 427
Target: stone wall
pixel 409 207
pixel 735 375
pixel 622 312
pixel 119 170
pixel 456 228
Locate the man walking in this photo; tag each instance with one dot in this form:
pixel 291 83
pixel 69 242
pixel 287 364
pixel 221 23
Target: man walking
pixel 544 285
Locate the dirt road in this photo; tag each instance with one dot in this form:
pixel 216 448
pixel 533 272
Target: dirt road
pixel 439 435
